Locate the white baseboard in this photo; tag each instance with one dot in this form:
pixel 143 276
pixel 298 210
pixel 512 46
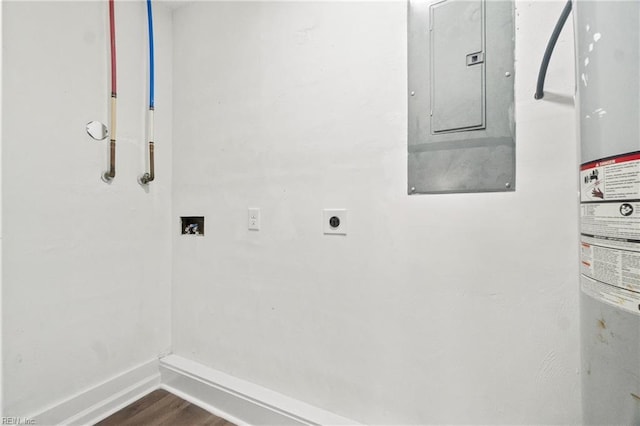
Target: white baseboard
pixel 239 401
pixel 101 401
pixel 236 400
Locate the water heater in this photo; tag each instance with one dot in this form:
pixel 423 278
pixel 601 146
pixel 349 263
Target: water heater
pixel 608 107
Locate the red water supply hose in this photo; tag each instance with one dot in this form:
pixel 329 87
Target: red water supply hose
pixel 111 173
pixel 112 34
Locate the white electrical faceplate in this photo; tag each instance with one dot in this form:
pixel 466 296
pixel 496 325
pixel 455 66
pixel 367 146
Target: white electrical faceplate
pixel 253 218
pixel 334 221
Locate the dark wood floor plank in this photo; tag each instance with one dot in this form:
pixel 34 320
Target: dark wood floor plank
pixel 161 408
pixel 131 410
pixel 156 412
pixel 189 414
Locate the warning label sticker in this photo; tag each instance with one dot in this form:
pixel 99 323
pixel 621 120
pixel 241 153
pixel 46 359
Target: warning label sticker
pixel 610 263
pixel 610 230
pixel 612 220
pixel 616 178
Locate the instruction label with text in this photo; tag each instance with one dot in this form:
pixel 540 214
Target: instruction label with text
pixel 610 230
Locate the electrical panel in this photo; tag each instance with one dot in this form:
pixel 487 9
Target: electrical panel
pixel 461 96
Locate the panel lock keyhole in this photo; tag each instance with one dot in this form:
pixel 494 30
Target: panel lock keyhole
pixel 334 221
pixel 475 58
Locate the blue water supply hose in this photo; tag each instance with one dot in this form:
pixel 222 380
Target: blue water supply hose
pixel 149 176
pixel 151 64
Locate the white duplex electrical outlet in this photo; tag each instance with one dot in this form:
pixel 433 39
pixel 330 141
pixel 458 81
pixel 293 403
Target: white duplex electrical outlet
pixel 254 219
pixel 334 221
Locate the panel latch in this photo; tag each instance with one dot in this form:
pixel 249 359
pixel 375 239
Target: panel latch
pixel 475 58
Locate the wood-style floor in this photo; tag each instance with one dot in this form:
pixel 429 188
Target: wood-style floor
pixel 161 408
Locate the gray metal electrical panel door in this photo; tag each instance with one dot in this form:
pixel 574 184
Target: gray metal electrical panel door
pixel 457 66
pixel 461 96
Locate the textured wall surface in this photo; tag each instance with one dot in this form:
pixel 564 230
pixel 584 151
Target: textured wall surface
pixel 433 309
pixel 86 279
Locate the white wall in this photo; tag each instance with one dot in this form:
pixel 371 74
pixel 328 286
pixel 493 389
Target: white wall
pixel 86 280
pixel 443 308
